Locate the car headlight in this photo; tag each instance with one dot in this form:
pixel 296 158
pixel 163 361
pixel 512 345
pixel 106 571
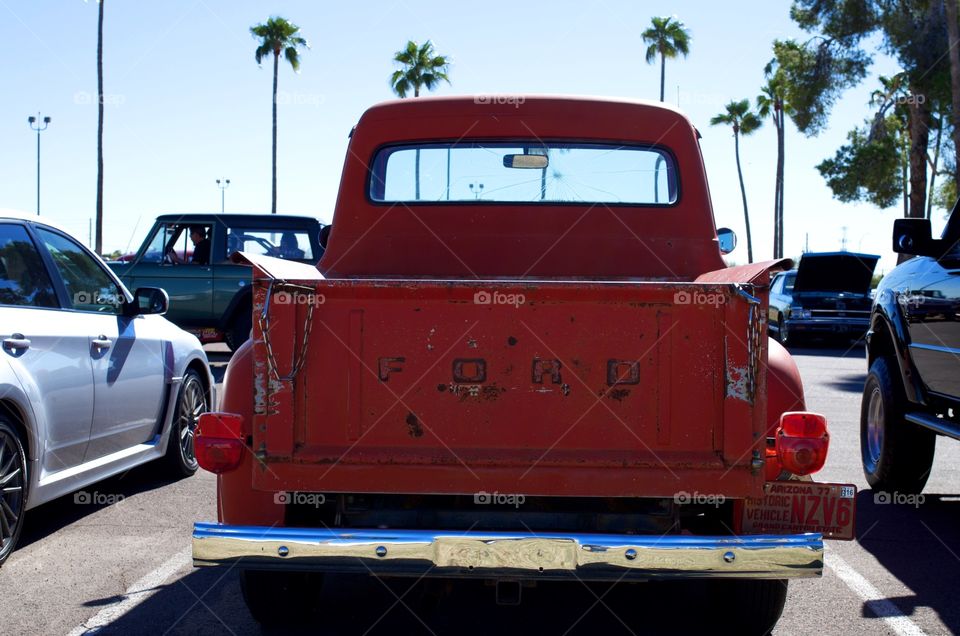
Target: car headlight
pixel 800 312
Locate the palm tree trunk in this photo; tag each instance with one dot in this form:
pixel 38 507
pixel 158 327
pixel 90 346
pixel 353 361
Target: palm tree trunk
pixel 776 189
pixel 273 199
pixel 663 73
pixel 98 245
pixel 743 193
pixel 953 36
pixel 781 160
pixel 416 93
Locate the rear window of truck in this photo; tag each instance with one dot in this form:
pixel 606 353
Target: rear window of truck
pixel 518 172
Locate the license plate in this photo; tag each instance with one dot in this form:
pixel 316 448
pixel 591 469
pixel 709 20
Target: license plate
pixel 792 507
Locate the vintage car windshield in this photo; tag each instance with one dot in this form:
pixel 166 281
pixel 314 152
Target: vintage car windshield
pixel 518 172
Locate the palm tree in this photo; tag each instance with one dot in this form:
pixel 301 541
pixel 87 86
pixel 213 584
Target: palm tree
pixel 277 36
pixel 667 38
pixel 772 103
pixel 99 233
pixel 420 67
pixel 744 122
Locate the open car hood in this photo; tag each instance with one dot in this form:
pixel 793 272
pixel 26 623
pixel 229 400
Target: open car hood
pixel 833 272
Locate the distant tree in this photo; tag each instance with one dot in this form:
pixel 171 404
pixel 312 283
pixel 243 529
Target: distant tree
pixel 419 67
pixel 278 36
pixel 953 50
pixel 667 38
pixel 912 31
pixel 739 117
pixel 874 164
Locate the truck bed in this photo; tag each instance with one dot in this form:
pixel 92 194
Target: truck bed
pixel 550 388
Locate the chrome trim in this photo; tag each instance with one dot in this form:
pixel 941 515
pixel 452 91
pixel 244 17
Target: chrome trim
pixel 936 348
pixel 510 554
pixel 934 423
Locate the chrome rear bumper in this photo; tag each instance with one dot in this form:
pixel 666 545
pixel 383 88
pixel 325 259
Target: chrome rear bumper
pixel 509 554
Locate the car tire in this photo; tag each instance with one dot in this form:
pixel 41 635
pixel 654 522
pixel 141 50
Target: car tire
pixel 281 599
pixel 896 454
pixel 750 607
pixel 239 330
pixel 783 334
pixel 181 456
pixel 13 488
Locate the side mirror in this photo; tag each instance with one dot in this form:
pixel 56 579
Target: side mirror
pixel 324 236
pixel 914 236
pixel 727 239
pixel 150 300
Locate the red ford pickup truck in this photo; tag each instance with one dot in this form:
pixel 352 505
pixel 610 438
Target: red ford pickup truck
pixel 522 358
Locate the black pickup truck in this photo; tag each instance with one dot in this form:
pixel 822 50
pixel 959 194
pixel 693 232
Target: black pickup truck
pixel 912 393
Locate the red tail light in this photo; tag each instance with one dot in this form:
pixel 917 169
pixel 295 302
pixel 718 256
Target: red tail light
pixel 218 442
pixel 802 441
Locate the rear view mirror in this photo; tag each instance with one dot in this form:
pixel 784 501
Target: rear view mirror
pixel 532 162
pixel 727 239
pixel 150 300
pixel 914 236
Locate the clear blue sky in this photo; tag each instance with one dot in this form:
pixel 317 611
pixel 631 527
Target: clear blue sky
pixel 186 103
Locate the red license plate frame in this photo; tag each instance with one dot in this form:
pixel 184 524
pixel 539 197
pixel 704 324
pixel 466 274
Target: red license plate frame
pixel 793 507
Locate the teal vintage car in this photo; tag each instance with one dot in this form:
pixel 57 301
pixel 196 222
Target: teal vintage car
pixel 188 255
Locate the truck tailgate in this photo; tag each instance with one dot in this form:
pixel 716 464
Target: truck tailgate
pixel 612 389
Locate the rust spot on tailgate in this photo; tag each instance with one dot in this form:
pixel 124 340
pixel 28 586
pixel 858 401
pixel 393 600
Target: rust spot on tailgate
pixel 480 392
pixel 413 424
pixel 618 394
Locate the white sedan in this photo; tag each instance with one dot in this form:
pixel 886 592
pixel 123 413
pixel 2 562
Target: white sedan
pixel 93 379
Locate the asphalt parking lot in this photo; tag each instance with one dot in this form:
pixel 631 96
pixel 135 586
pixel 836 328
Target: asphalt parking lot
pixel 119 562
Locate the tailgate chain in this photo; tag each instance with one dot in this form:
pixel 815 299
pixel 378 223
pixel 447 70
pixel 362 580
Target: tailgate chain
pixel 754 344
pixel 264 321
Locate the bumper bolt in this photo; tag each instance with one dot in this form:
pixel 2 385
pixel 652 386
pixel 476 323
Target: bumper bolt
pixel 381 551
pixel 729 557
pixel 631 554
pixel 283 550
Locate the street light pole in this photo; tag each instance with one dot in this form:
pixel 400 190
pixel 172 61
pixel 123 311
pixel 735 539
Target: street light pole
pixel 223 184
pixel 38 124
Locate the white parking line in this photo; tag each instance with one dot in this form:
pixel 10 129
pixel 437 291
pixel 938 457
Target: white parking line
pixel 877 601
pixel 135 594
